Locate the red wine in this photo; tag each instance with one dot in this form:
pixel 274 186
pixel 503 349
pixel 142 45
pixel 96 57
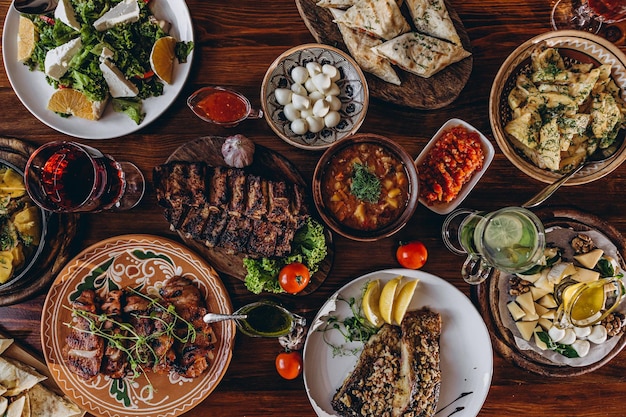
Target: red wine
pixel 74 180
pixel 609 10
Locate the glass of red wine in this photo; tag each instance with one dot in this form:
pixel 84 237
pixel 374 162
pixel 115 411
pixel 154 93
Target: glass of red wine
pixel 587 15
pixel 63 177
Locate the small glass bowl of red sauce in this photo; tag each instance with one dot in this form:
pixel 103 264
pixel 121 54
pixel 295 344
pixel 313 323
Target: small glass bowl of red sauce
pixel 222 106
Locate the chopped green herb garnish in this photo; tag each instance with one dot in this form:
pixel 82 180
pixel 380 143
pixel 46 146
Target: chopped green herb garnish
pixel 365 185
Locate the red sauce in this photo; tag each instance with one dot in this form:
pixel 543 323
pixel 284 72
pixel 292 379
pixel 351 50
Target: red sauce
pixel 223 107
pixel 610 10
pixel 451 163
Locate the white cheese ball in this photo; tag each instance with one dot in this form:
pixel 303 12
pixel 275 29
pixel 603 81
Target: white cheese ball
pixel 333 90
pixel 313 68
pixel 332 119
pixel 300 102
pixel 283 96
pixel 299 89
pixel 331 71
pixel 322 82
pixel 321 108
pixel 299 126
pixel 299 74
pixel 309 85
pixel 315 123
pixel 291 113
pixel 334 102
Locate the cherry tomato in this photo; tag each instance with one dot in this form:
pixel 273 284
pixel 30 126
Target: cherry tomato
pixel 294 277
pixel 289 364
pixel 412 255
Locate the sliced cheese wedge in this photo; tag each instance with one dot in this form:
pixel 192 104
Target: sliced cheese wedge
pixel 589 259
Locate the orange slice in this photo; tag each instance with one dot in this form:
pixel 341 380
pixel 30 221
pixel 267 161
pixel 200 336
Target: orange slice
pixel 27 36
pixel 70 101
pixel 162 58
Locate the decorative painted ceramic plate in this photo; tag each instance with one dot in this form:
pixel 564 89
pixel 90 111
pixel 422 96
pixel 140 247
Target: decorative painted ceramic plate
pixel 354 95
pixel 34 92
pixel 144 262
pixel 466 354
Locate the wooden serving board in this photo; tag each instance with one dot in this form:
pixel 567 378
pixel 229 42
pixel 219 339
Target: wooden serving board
pixel 487 296
pixel 435 92
pixel 20 354
pixel 267 164
pixel 60 229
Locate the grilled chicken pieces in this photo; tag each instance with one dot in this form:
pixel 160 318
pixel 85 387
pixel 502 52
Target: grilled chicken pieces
pixel 88 354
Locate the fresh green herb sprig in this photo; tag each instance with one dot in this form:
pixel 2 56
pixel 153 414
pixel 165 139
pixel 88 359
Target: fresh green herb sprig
pixel 137 348
pixel 365 185
pixel 566 350
pixel 355 328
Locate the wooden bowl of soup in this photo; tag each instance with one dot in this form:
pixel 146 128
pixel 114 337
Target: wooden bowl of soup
pixel 365 187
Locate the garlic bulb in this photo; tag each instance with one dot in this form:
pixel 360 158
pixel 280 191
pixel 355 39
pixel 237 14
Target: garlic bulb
pixel 238 151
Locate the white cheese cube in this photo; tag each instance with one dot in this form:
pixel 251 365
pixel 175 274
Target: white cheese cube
pixel 585 275
pixel 589 259
pixel 119 86
pixel 540 344
pixel 548 301
pixel 527 303
pixel 65 13
pixel 560 271
pixel 58 59
pixel 526 328
pixel 126 11
pixel 515 310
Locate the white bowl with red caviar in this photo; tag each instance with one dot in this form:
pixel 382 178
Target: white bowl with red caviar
pixel 476 154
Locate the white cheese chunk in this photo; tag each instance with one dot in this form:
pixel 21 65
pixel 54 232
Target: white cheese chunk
pixel 585 275
pixel 65 13
pixel 126 11
pixel 58 59
pixel 589 259
pixel 119 86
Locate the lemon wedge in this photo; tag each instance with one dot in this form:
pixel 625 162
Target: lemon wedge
pixel 370 302
pixel 403 299
pixel 387 296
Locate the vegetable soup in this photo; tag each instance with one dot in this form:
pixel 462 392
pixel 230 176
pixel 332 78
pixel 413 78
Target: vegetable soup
pixel 365 186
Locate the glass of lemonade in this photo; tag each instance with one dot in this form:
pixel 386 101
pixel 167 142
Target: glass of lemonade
pixel 511 239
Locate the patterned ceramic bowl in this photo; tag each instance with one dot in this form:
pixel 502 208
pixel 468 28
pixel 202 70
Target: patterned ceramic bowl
pixel 574 47
pixel 353 95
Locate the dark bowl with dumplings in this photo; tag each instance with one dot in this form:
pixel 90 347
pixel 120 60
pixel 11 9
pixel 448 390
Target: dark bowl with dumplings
pixel 343 209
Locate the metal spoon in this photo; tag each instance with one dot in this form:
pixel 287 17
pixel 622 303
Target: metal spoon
pixel 215 317
pixel 35 6
pixel 600 155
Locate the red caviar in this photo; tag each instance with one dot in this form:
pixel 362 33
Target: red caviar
pixel 451 162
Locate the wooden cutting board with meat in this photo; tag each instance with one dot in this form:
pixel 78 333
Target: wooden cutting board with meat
pixel 222 224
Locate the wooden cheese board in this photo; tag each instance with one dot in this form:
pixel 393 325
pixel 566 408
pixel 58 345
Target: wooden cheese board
pixel 416 92
pixel 268 164
pixel 487 296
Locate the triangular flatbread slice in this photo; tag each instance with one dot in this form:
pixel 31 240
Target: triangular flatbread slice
pixel 360 45
pixel 44 402
pixel 421 54
pixel 17 377
pixel 380 18
pixel 432 18
pixel 336 4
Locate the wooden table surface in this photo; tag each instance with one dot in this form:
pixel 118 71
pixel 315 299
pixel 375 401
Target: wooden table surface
pixel 235 43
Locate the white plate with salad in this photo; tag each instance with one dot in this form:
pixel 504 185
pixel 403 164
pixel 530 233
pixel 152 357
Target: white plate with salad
pixel 34 91
pixel 466 352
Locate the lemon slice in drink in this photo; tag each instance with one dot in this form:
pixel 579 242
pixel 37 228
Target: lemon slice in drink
pixel 369 305
pixel 387 297
pixel 403 299
pixel 503 231
pixel 162 58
